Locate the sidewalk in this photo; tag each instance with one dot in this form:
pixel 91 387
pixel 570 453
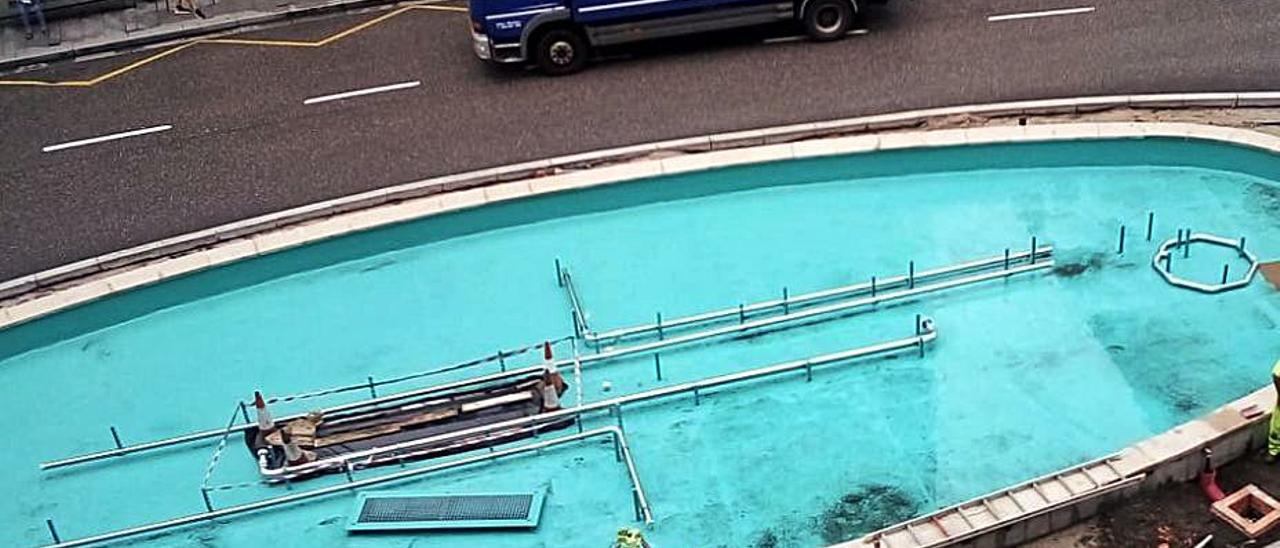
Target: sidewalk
pixel 150 22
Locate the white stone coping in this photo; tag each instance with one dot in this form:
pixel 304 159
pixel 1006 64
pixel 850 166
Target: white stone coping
pixel 532 170
pixel 50 291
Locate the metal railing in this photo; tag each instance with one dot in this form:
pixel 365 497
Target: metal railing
pixel 925 333
pixel 619 437
pixel 787 302
pixel 208 434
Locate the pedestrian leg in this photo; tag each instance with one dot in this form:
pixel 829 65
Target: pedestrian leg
pixel 25 11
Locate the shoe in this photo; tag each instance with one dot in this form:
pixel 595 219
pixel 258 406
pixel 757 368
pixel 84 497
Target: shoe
pixel 1269 458
pixel 29 35
pixel 201 14
pixel 181 10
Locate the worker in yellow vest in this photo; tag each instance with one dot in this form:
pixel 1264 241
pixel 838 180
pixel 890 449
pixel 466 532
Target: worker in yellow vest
pixel 1273 433
pixel 629 537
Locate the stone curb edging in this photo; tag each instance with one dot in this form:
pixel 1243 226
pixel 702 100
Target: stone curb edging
pixel 35 295
pixel 472 179
pixel 215 25
pixel 1230 431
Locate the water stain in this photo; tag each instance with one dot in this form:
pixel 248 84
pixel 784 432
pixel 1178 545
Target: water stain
pixel 378 265
pixel 1263 200
pixel 767 539
pixel 1164 359
pixel 870 507
pixel 1076 266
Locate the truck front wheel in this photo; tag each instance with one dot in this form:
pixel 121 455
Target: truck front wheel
pixel 560 51
pixel 826 20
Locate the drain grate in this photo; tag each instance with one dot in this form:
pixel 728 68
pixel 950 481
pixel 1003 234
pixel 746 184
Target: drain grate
pixel 399 511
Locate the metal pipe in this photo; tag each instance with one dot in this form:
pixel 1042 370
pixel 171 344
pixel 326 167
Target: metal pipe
pixel 656 393
pixel 645 512
pixel 1121 251
pixel 825 294
pixel 811 313
pixel 206 434
pixel 648 347
pixel 288 499
pixel 1151 223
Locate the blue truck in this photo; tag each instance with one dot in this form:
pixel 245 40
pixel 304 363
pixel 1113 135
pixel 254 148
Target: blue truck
pixel 558 35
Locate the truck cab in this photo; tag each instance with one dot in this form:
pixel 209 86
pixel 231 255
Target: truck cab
pixel 558 35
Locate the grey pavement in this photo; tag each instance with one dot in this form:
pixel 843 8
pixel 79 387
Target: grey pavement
pixel 113 25
pixel 244 143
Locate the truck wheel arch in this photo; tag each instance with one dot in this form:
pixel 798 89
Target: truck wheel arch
pixel 802 5
pixel 540 23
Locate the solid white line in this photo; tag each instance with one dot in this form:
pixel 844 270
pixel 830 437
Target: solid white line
pixel 106 138
pixel 359 92
pixel 1033 14
pixel 786 39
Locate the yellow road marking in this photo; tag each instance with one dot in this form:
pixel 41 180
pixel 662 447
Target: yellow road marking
pixel 234 42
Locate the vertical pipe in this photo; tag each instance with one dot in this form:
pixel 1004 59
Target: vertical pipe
pixel 1151 223
pixel 911 275
pixel 53 531
pixel 373 392
pixel 742 316
pixel 244 412
pixel 660 335
pixel 1241 244
pixel 617 409
pixel 502 361
pixel 917 325
pixel 204 493
pixel 786 305
pixel 1168 262
pixel 559 275
pixel 617 447
pixel 873 286
pixel 116 436
pixel 635 504
pixel 1225 268
pixel 577 324
pixel 1006 258
pixel 1121 240
pixel 657 365
pixel 695 396
pixel 808 372
pixel 1186 247
pixel 1033 250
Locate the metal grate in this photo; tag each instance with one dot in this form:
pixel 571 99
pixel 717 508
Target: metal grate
pixel 389 511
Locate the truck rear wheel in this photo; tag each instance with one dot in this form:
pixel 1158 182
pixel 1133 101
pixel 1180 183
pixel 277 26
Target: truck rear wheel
pixel 826 20
pixel 560 51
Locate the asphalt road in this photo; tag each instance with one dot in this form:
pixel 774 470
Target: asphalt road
pixel 243 143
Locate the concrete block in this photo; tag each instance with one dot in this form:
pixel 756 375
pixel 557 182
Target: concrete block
pixel 1061 519
pixel 17 286
pixel 891 141
pixel 1086 508
pixel 80 294
pixel 463 199
pixel 994 134
pixel 835 146
pixel 719 159
pixel 1016 534
pixel 507 191
pixel 986 541
pixel 231 251
pixel 184 264
pixel 133 277
pixel 1038 526
pixel 945 137
pixel 1074 132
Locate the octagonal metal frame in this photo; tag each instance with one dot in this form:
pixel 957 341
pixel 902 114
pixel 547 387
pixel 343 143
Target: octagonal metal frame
pixel 1158 262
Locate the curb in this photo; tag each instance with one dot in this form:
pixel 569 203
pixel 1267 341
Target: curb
pixel 205 28
pixel 541 168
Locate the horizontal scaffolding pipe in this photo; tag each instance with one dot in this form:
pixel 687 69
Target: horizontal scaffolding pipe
pixel 618 437
pixel 925 337
pixel 880 284
pixel 208 434
pixel 842 306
